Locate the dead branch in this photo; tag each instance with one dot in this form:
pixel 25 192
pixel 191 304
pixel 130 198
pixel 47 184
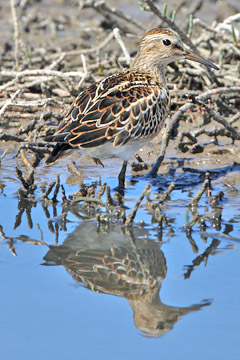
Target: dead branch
pixel 173 123
pixel 217 117
pixel 131 216
pixel 101 6
pixel 206 185
pixel 16 32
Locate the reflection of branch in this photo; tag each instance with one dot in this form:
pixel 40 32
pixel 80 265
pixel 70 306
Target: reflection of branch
pixel 190 238
pixel 27 239
pixel 24 205
pixel 29 217
pixel 203 257
pixel 88 200
pixel 221 236
pixel 18 218
pixel 9 240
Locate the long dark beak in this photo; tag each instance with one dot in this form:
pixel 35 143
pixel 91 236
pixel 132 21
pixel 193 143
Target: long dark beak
pixel 190 55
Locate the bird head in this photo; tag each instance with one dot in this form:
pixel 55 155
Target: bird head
pixel 160 47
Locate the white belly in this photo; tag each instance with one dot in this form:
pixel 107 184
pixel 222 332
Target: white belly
pixel 107 151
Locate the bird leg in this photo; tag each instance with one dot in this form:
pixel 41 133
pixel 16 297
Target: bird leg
pixel 121 176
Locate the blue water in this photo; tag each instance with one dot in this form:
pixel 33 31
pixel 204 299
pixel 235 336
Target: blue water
pixel 45 313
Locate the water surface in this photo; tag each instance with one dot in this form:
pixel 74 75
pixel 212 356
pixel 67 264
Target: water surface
pixel 181 302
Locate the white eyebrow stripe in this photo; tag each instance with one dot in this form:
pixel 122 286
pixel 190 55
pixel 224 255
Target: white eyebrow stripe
pixel 149 38
pixel 156 37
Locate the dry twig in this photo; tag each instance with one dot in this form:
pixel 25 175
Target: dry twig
pixel 173 123
pixel 131 216
pixel 16 32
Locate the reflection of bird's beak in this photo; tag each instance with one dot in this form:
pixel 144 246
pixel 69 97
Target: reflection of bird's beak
pixel 194 57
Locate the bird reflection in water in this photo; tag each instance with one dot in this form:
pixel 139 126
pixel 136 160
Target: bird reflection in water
pixel 125 263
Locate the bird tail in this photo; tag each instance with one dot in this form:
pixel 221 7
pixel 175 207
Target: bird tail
pixel 59 151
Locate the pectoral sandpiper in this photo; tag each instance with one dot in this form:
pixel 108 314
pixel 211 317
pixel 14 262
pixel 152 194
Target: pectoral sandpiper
pixel 121 113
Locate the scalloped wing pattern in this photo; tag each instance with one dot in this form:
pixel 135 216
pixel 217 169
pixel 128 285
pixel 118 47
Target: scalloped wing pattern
pixel 120 108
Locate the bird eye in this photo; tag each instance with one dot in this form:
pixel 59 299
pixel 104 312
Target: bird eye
pixel 166 42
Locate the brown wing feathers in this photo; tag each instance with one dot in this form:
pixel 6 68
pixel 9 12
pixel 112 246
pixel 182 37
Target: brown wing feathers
pixel 116 109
